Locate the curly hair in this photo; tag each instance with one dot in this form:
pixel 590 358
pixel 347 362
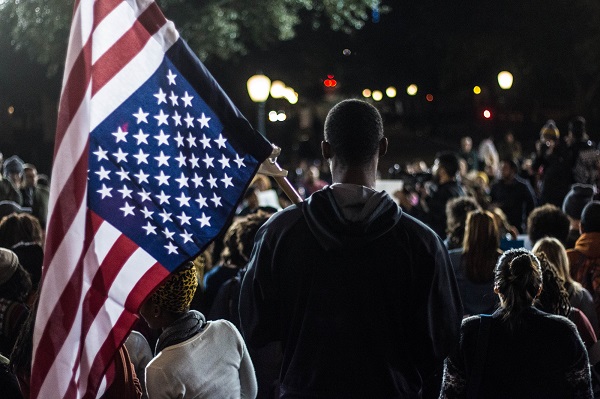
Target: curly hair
pixel 20 227
pixel 554 297
pixel 547 221
pixel 239 239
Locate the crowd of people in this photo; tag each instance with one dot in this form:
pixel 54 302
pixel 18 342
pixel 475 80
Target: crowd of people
pixel 479 278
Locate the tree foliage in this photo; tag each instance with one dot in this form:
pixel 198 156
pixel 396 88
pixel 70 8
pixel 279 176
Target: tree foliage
pixel 213 28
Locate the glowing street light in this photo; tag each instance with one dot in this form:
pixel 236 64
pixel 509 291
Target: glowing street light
pixel 377 95
pixel 366 93
pixel 505 80
pixel 412 90
pixel 390 92
pixel 259 87
pixel 477 90
pixel 277 89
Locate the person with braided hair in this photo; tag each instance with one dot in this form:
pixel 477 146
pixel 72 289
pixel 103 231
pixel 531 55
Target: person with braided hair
pixel 194 358
pixel 554 299
pixel 519 351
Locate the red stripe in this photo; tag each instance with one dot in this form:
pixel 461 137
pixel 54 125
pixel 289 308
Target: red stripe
pixel 94 300
pixel 68 203
pixel 60 321
pixel 79 76
pixel 127 47
pixel 151 279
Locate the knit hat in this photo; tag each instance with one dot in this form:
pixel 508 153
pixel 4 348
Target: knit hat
pixel 590 218
pixel 577 199
pixel 9 262
pixel 177 292
pixel 13 164
pixel 550 130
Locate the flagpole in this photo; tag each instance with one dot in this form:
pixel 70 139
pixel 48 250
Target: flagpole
pixel 270 168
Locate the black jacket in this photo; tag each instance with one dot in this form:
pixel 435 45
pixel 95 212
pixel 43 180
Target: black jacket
pixel 362 308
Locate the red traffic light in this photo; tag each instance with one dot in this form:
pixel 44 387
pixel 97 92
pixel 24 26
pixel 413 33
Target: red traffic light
pixel 487 114
pixel 330 81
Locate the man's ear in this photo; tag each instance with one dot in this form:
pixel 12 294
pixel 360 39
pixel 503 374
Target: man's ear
pixel 383 146
pixel 326 149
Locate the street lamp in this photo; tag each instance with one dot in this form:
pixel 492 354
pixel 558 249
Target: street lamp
pixel 258 89
pixel 505 80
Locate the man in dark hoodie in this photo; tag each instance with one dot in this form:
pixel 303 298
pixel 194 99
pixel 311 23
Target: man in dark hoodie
pixel 361 296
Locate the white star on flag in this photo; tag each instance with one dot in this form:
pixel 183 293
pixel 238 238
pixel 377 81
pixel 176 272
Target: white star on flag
pixel 101 154
pixel 105 191
pixel 127 209
pixel 150 229
pixel 171 76
pixel 120 135
pixel 162 118
pixel 203 121
pixel 187 100
pixel 204 220
pixel 141 137
pixel 162 138
pixel 221 141
pixel 141 116
pixel 161 96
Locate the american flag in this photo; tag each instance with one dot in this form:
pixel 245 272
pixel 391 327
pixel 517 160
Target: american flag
pixel 151 159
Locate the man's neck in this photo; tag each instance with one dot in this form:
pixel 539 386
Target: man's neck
pixel 359 175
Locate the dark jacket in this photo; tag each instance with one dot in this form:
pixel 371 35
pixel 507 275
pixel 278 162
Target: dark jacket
pixel 363 309
pixel 435 216
pixel 544 358
pixel 516 199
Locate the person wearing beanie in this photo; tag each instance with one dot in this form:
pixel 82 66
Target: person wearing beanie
pixel 553 163
pixel 15 285
pixel 11 168
pixel 194 357
pixel 584 258
pixel 576 199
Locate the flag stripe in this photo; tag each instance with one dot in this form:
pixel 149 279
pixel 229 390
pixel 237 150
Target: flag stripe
pixel 95 253
pixel 50 340
pixel 78 63
pixel 80 170
pixel 120 328
pixel 129 45
pixel 99 265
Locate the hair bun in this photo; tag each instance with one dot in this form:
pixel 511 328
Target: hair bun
pixel 520 266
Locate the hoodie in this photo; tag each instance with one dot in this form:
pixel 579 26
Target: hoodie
pixel 362 297
pixel 584 261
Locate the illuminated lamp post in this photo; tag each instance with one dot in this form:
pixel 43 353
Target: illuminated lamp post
pixel 505 80
pixel 259 87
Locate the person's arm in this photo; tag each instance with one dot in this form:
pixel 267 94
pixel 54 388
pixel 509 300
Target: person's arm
pixel 248 383
pixel 259 305
pixel 437 308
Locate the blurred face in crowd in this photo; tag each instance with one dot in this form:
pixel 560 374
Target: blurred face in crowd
pixel 506 171
pixel 30 177
pixel 15 178
pixel 466 144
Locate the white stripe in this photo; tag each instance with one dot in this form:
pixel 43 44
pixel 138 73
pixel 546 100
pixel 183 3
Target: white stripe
pixel 131 77
pixel 65 359
pixel 132 271
pixel 110 30
pixel 81 29
pixel 55 280
pixel 70 150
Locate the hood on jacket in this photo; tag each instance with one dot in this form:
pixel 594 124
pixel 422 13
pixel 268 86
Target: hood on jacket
pixel 345 215
pixel 589 244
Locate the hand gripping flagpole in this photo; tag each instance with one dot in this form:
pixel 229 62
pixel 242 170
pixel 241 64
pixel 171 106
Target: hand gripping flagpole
pixel 270 168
